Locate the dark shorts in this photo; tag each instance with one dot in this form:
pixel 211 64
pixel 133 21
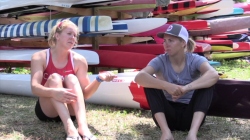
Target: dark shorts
pixel 41 116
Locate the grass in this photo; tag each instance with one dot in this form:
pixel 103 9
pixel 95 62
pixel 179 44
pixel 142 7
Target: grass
pixel 235 69
pixel 18 120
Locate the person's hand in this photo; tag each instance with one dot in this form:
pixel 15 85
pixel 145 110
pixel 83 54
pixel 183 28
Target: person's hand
pixel 176 91
pixel 183 90
pixel 107 76
pixel 64 95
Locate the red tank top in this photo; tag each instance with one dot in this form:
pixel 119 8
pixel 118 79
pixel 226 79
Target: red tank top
pixel 50 68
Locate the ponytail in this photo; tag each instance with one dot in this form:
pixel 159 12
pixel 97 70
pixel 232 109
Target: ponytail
pixel 190 45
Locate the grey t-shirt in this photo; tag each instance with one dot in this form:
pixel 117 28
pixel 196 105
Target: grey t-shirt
pixel 165 71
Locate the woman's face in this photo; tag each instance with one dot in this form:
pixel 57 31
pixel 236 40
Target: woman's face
pixel 68 37
pixel 173 44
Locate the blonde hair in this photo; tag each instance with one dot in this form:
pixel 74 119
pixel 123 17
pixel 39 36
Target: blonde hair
pixel 190 45
pixel 58 28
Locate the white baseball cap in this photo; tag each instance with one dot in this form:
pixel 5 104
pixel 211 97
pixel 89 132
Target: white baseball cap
pixel 176 30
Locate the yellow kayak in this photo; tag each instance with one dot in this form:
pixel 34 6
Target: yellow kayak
pixel 220 48
pixel 188 11
pixel 227 55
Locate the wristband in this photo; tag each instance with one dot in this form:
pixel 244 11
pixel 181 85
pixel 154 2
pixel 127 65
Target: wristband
pixel 98 79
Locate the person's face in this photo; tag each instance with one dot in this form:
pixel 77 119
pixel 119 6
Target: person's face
pixel 68 37
pixel 172 44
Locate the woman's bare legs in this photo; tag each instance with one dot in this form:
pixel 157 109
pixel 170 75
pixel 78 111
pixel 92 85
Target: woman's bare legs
pixel 161 120
pixel 53 108
pixel 71 82
pixel 196 122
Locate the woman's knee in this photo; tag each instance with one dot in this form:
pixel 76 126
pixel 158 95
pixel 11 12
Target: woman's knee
pixel 71 79
pixel 54 79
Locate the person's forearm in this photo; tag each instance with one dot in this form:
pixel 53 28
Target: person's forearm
pixel 89 90
pixel 206 80
pixel 146 80
pixel 41 91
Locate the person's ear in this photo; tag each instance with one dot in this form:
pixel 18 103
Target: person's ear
pixel 56 36
pixel 183 43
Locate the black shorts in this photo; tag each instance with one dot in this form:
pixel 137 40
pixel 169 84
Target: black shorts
pixel 41 116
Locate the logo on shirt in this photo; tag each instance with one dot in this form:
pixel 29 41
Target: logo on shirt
pixel 67 71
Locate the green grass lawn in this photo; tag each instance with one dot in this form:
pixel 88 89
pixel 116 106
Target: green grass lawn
pixel 235 69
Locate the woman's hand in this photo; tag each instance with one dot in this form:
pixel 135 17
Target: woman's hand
pixel 107 76
pixel 64 95
pixel 176 91
pixel 180 91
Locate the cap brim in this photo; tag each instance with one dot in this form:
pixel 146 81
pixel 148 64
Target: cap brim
pixel 160 35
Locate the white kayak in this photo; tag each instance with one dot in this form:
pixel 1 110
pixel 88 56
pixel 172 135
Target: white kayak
pixel 116 92
pixel 136 26
pixel 24 55
pixel 8 4
pixel 225 7
pixel 231 101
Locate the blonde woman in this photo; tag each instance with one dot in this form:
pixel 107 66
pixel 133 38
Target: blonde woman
pixel 59 78
pixel 180 95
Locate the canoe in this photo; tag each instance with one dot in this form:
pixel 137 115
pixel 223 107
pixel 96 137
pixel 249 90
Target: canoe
pixel 131 2
pixel 236 12
pixel 8 4
pixel 127 27
pixel 231 97
pixel 229 55
pixel 154 49
pixel 173 6
pixel 118 28
pixel 196 14
pixel 189 25
pixel 227 9
pixel 236 34
pixel 205 2
pixel 217 42
pixel 41 42
pixel 132 60
pixel 43 28
pixel 193 24
pixel 188 11
pixel 243 46
pixel 24 55
pixel 120 96
pixel 218 26
pixel 221 48
pixel 130 28
pixel 45 16
pixel 130 8
pixel 245 6
pixel 152 23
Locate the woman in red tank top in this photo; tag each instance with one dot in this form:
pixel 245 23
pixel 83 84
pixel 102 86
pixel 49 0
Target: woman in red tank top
pixel 59 78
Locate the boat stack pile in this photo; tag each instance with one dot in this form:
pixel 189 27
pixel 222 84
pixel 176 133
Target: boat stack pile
pixel 121 29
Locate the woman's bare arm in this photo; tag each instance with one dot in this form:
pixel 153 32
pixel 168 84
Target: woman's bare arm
pixel 37 61
pixel 82 75
pixel 209 76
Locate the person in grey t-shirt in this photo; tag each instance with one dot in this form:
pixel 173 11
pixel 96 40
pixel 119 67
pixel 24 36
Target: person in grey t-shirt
pixel 178 84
